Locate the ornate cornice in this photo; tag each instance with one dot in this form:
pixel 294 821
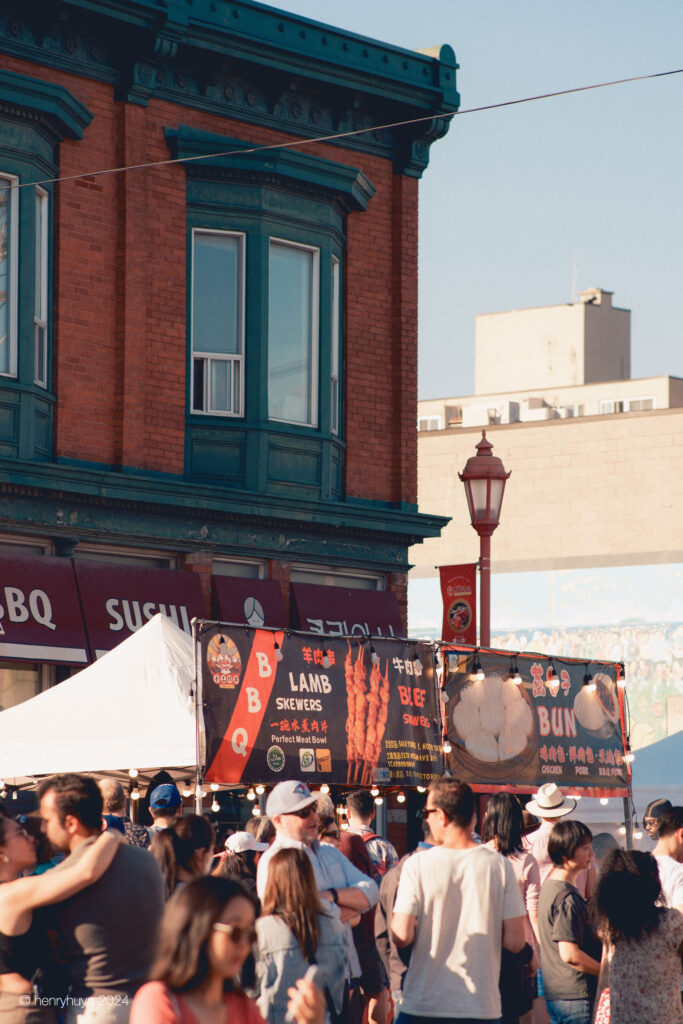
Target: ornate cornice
pixel 245 61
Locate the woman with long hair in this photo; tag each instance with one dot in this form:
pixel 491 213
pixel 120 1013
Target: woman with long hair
pixel 502 830
pixel 24 947
pixel 206 935
pixel 296 931
pixel 643 941
pixel 184 850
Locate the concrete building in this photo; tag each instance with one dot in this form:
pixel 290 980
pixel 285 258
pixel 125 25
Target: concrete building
pixel 208 363
pixel 588 559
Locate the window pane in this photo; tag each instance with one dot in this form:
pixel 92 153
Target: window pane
pixel 40 208
pixel 216 294
pixel 5 248
pixel 292 335
pixel 220 375
pixel 334 353
pixel 198 394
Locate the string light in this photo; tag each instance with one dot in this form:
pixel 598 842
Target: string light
pixel 447 747
pixel 255 810
pixel 621 677
pixel 187 791
pixel 324 788
pixel 15 794
pixel 326 659
pixel 133 772
pixel 422 789
pixel 215 806
pixel 637 834
pixel 477 670
pixel 604 801
pixel 551 677
pixel 379 800
pixel 278 652
pixel 251 795
pixel 622 830
pixel 629 757
pixel 135 795
pixel 214 787
pixel 588 680
pixel 401 797
pixel 260 790
pixel 374 656
pixel 374 791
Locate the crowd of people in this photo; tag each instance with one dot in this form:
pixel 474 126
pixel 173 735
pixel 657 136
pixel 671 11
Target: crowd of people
pixel 103 921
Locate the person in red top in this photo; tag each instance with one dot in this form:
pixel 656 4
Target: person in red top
pixel 206 935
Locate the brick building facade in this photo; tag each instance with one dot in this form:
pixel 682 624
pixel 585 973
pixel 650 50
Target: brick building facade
pixel 208 364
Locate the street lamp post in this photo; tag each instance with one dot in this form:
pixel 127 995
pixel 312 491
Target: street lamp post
pixel 484 478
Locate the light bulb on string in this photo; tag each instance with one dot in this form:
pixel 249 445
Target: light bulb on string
pixel 447 747
pixel 604 801
pixel 379 800
pixel 374 656
pixel 260 790
pixel 622 830
pixel 374 791
pixel 135 794
pixel 255 810
pixel 401 798
pixel 422 789
pixel 344 826
pixel 477 670
pixel 417 661
pixel 133 772
pixel 215 806
pixel 278 651
pixel 15 794
pixel 638 834
pixel 551 676
pixel 251 795
pixel 187 791
pixel 326 659
pixel 214 787
pixel 324 788
pixel 629 757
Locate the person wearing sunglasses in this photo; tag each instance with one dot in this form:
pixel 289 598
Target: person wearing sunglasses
pixel 24 947
pixel 207 933
pixel 292 808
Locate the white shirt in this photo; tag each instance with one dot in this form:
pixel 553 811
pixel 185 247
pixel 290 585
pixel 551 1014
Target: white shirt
pixel 671 877
pixel 460 899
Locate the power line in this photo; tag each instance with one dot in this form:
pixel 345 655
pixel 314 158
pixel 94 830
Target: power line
pixel 338 135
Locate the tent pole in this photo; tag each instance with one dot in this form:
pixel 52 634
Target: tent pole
pixel 198 799
pixel 628 821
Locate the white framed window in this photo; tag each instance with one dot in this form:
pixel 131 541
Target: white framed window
pixel 331 578
pixel 429 423
pixel 8 274
pixel 611 406
pixel 245 568
pixel 334 347
pixel 293 332
pixel 40 324
pixel 217 322
pixel 641 404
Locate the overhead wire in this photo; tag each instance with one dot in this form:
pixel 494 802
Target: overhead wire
pixel 291 144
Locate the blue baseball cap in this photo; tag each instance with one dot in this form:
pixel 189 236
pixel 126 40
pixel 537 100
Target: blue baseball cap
pixel 165 797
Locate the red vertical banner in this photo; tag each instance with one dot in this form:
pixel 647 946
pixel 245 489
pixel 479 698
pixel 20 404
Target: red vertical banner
pixel 459 592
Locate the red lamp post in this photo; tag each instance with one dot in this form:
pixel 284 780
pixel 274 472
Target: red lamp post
pixel 484 478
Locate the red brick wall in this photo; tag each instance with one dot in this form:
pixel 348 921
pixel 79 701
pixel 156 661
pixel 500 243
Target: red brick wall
pixel 120 334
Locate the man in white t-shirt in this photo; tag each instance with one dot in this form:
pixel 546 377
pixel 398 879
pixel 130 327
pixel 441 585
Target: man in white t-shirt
pixel 458 904
pixel 669 855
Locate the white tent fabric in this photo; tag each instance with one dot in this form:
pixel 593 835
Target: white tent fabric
pixel 130 709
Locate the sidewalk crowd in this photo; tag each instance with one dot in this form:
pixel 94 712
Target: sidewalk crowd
pixel 103 921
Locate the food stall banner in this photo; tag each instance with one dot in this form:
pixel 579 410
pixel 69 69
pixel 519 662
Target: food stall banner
pixel 459 593
pixel 253 602
pixel 281 706
pixel 345 611
pixel 40 614
pixel 562 724
pixel 118 599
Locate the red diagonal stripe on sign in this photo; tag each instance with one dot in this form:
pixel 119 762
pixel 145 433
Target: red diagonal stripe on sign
pixel 255 689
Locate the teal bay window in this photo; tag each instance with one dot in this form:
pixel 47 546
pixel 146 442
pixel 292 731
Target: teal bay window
pixel 266 240
pixel 35 117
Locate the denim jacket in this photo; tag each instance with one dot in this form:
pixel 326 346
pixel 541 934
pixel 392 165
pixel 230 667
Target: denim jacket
pixel 280 963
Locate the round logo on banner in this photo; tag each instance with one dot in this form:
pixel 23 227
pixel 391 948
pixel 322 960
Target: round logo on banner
pixel 460 615
pixel 224 661
pixel 275 758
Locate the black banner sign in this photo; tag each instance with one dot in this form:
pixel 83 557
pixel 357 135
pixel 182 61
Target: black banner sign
pixel 350 711
pixel 563 723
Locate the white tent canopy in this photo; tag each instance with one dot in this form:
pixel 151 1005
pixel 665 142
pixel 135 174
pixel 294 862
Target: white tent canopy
pixel 130 709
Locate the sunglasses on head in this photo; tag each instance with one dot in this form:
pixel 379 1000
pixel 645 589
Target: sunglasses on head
pixel 236 932
pixel 304 813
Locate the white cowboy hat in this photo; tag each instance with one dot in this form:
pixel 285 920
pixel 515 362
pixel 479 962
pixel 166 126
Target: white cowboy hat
pixel 550 803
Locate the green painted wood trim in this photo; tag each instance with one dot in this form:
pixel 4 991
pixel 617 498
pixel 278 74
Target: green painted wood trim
pixel 92 486
pixel 346 182
pixel 67 115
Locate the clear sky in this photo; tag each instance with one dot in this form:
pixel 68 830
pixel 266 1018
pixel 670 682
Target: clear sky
pixel 522 205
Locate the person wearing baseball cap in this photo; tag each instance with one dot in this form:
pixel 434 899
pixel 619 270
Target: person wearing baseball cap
pixel 165 804
pixel 292 808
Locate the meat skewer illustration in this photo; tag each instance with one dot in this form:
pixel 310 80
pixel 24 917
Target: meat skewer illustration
pixel 371 733
pixel 359 674
pixel 382 714
pixel 350 711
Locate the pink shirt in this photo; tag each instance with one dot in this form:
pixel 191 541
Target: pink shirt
pixel 155 1004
